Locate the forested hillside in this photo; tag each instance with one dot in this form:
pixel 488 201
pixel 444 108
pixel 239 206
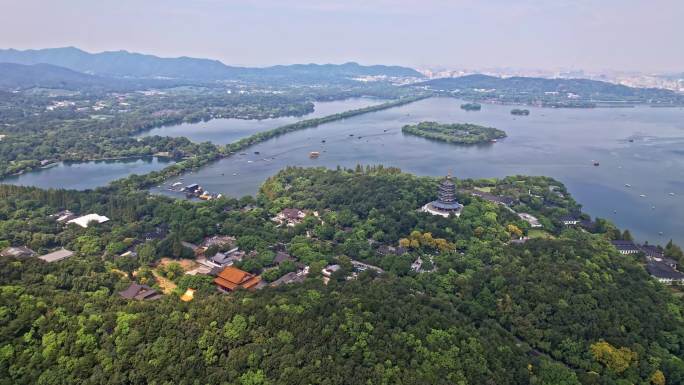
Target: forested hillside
pixel 566 308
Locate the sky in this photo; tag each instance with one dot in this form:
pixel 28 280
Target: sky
pixel 632 35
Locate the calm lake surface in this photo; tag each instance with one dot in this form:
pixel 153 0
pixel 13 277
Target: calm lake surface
pixel 561 143
pixel 87 175
pixel 224 131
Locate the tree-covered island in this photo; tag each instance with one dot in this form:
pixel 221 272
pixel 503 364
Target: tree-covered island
pixel 457 133
pixel 471 106
pixel 520 112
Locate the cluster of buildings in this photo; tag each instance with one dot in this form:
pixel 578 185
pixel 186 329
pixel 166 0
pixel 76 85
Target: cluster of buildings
pixel 660 267
pixel 290 217
pixel 227 276
pixel 23 252
pixel 193 190
pixel 446 203
pixel 65 217
pixel 292 277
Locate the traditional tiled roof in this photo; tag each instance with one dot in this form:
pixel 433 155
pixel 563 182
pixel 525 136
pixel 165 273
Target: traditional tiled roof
pixel 663 271
pixel 651 251
pixel 291 277
pixel 282 257
pixel 57 255
pixel 139 292
pixel 624 245
pixel 132 290
pixel 231 278
pixel 17 252
pixel 493 198
pixel 227 257
pixel 291 213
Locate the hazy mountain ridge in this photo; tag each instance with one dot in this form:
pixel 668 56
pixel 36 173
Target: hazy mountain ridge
pixel 44 75
pixel 532 85
pixel 127 64
pixel 15 76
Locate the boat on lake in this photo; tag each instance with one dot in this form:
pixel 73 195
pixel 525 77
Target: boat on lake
pixel 314 154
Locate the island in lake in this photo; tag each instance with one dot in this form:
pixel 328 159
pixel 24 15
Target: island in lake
pixel 457 133
pixel 471 106
pixel 520 112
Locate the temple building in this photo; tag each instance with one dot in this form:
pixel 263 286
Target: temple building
pixel 232 278
pixel 446 200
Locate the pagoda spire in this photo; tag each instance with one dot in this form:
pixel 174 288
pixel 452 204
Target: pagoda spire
pixel 446 202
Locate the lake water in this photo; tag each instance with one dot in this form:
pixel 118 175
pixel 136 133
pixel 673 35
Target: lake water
pixel 87 175
pixel 224 131
pixel 561 143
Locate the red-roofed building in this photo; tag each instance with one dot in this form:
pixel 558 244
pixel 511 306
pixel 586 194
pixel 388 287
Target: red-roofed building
pixel 231 278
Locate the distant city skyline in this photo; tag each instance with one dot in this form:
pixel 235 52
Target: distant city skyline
pixel 615 35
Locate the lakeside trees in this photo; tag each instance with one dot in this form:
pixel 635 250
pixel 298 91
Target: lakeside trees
pixel 76 126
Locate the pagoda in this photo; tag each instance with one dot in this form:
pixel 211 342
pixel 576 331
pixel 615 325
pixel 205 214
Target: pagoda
pixel 446 203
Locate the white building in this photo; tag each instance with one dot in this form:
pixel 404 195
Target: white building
pixel 85 220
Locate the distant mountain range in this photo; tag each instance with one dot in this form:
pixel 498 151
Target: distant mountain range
pixel 42 75
pixel 133 65
pixel 72 68
pixel 584 88
pixel 20 76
